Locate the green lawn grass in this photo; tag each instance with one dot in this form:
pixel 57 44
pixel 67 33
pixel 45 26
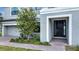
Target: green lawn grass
pixel 72 48
pixel 8 48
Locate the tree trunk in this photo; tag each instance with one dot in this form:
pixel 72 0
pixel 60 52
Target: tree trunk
pixel 28 37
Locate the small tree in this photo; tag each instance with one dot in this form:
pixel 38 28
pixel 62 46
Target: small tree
pixel 26 21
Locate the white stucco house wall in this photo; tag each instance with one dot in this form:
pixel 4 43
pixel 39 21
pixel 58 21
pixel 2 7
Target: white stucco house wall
pixel 61 23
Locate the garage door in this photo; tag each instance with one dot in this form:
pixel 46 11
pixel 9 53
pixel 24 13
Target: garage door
pixel 12 31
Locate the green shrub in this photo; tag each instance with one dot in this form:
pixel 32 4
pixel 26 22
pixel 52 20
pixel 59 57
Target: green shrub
pixel 25 41
pixel 36 43
pixel 36 37
pixel 17 40
pixel 12 40
pixel 0 33
pixel 45 43
pixel 20 41
pixel 35 40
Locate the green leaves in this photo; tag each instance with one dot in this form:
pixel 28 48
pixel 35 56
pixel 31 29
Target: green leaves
pixel 26 21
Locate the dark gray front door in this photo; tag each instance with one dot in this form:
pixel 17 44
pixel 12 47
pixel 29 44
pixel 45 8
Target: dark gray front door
pixel 60 28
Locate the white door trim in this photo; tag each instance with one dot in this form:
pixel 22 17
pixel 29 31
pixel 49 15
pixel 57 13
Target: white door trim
pixel 70 26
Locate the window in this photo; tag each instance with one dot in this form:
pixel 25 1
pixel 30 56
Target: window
pixel 37 9
pixel 37 30
pixel 14 11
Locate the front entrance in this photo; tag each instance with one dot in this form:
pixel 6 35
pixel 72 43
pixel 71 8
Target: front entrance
pixel 59 28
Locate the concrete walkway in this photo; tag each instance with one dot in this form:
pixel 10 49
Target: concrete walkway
pixel 55 46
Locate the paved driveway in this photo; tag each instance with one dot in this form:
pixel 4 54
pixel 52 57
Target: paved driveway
pixel 55 46
pixel 6 38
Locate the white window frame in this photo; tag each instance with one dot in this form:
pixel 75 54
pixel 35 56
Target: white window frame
pixel 11 10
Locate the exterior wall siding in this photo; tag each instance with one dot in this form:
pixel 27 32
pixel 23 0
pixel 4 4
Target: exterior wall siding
pixel 43 28
pixel 9 22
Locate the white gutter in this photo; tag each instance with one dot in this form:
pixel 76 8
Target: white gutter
pixel 56 10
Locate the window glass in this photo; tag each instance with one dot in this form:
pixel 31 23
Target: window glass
pixel 14 11
pixel 37 30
